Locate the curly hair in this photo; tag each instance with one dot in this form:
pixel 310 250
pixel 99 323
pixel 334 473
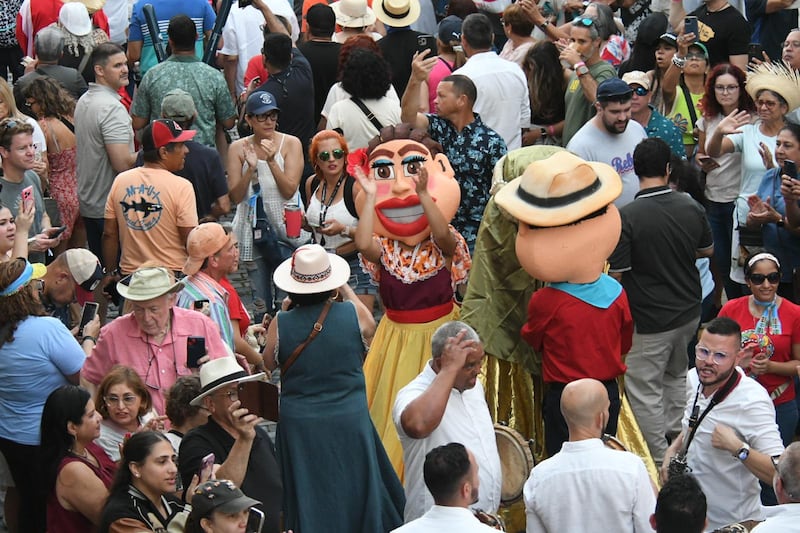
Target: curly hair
pixel 405 131
pixel 519 21
pixel 313 149
pixel 126 376
pixel 709 104
pixel 18 306
pixel 546 84
pixel 366 75
pixel 53 99
pixel 354 43
pixel 177 408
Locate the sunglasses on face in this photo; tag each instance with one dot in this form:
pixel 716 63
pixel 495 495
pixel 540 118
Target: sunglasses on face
pixel 698 56
pixel 772 277
pixel 337 154
pixel 640 91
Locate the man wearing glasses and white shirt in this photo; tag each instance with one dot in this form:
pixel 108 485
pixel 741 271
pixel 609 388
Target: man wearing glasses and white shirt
pixel 729 425
pixel 152 339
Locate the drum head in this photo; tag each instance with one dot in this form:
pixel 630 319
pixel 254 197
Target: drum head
pixel 516 462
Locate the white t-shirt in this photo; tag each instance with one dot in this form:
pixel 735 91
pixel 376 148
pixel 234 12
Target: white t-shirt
pixel 358 130
pixel 503 102
pixel 439 519
pixel 337 94
pixel 722 184
pixel 732 491
pixel 466 420
pixel 593 144
pixel 243 36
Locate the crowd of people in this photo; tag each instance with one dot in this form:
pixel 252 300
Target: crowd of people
pixel 361 162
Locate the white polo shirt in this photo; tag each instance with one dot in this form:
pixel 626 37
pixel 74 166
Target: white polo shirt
pixel 503 102
pixel 732 491
pixel 466 420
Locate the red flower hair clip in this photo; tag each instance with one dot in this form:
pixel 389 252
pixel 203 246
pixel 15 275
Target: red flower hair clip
pixel 358 158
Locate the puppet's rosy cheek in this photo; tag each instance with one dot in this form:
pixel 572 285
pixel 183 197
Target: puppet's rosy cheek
pixel 384 189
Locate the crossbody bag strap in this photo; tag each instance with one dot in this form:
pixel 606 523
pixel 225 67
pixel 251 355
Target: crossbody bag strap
pixel 369 114
pixel 720 395
pixel 315 330
pixel 687 96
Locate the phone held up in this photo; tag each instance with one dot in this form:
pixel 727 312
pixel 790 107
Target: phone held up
pixel 790 169
pixel 690 26
pixel 195 349
pixel 87 315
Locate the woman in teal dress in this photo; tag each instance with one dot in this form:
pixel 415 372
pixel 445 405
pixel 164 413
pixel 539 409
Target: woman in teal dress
pixel 336 474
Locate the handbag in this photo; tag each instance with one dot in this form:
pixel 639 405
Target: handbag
pixel 263 232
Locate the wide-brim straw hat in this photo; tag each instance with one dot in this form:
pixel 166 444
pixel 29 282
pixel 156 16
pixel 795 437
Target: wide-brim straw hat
pixel 311 270
pixel 218 373
pixel 148 283
pixel 559 190
pixel 353 13
pixel 396 13
pixel 777 78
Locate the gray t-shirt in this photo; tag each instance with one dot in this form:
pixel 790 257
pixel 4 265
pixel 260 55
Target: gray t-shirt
pixel 593 144
pixel 10 198
pixel 100 119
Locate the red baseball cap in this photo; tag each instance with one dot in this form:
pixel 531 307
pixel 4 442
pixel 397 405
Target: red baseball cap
pixel 162 132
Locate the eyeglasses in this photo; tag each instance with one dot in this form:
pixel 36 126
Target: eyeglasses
pixel 758 279
pixel 726 88
pixel 337 154
pixel 112 400
pixel 702 354
pixel 233 395
pixel 263 117
pixel 640 91
pixel 769 104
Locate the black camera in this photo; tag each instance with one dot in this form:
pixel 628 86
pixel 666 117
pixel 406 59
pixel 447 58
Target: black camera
pixel 678 466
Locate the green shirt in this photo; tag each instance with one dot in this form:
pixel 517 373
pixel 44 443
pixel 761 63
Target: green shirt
pixel 579 111
pixel 206 85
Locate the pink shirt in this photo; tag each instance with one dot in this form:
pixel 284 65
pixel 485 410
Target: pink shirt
pixel 121 342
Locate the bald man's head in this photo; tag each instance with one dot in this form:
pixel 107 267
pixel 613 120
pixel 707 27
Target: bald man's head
pixel 584 404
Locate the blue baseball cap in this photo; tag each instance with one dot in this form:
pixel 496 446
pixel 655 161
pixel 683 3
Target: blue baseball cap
pixel 260 102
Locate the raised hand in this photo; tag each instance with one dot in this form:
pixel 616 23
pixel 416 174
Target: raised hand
pixel 735 120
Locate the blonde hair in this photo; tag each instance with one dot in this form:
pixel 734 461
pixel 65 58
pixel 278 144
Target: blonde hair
pixel 7 96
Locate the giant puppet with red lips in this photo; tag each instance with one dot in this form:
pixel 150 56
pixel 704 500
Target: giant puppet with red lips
pixel 408 196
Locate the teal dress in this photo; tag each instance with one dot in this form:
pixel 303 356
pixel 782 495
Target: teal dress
pixel 336 474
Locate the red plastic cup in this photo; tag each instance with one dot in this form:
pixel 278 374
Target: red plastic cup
pixel 294 219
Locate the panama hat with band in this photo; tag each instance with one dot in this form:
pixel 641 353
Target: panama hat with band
pixel 220 372
pixel 777 78
pixel 148 283
pixel 397 13
pixel 353 13
pixel 311 270
pixel 559 190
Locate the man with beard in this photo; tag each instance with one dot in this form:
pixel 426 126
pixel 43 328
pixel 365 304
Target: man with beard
pixel 611 136
pixel 451 475
pixel 577 477
pixel 729 438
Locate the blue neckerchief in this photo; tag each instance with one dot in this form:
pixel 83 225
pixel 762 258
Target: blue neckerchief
pixel 600 293
pixel 768 323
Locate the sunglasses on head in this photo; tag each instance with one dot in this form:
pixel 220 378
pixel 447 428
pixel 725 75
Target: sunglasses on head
pixel 585 21
pixel 772 277
pixel 337 154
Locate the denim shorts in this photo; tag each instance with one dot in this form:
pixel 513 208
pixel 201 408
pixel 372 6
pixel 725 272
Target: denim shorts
pixel 359 280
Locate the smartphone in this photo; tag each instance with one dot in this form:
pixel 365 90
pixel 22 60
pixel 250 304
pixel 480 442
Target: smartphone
pixel 244 3
pixel 790 168
pixel 87 315
pixel 255 521
pixel 199 305
pixel 690 26
pixel 195 349
pixel 427 42
pixel 27 197
pixel 55 232
pixel 755 51
pixel 113 293
pixel 206 466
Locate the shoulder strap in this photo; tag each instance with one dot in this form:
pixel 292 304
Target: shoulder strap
pixel 364 109
pixel 67 123
pixel 349 200
pixel 311 336
pixel 720 395
pixel 451 67
pixel 687 96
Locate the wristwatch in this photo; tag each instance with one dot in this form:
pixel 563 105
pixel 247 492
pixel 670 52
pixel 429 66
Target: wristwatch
pixel 744 452
pixel 582 70
pixel 781 223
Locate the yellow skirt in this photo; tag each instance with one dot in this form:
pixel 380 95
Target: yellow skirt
pixel 398 353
